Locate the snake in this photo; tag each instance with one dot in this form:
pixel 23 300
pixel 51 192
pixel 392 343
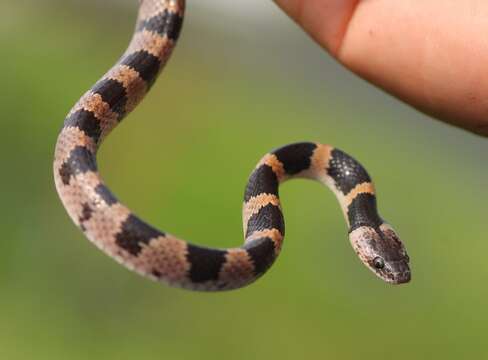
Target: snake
pixel 160 256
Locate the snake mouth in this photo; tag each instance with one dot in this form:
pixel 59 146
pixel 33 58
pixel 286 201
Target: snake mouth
pixel 400 278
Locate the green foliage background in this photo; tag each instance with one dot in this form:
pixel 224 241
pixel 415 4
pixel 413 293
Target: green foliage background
pixel 234 89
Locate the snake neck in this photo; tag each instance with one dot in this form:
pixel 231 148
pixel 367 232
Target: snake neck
pixel 341 173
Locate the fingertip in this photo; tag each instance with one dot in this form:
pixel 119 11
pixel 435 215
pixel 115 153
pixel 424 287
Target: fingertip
pixel 326 21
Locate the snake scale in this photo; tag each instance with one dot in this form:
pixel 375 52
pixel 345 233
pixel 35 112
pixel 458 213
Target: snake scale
pixel 113 228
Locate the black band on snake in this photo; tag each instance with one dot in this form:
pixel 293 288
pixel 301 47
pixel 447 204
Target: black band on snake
pixel 160 256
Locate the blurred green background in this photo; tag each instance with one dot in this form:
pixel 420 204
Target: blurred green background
pixel 243 80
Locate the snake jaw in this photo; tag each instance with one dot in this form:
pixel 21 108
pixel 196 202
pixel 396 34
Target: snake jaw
pixel 402 277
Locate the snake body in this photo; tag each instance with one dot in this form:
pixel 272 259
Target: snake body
pixel 113 228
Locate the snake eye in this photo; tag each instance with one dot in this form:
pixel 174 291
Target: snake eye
pixel 378 262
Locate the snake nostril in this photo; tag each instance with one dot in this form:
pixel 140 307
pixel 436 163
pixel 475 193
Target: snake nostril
pixel 378 262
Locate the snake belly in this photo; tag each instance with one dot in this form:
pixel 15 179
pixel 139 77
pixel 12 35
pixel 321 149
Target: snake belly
pixel 118 232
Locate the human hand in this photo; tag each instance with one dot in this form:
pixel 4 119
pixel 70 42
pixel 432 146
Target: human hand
pixel 432 54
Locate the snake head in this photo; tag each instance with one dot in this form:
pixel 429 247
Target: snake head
pixel 380 249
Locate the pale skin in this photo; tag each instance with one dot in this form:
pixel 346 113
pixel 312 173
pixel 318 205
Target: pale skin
pixel 432 54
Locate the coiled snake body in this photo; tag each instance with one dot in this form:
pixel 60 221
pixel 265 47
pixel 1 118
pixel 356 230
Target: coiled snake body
pixel 118 232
